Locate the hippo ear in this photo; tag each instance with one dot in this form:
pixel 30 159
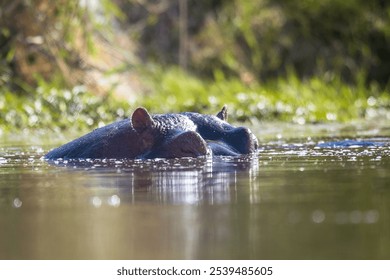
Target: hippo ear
pixel 223 114
pixel 141 120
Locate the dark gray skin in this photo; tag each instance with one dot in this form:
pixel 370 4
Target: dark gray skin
pixel 142 137
pixel 223 138
pixel 161 136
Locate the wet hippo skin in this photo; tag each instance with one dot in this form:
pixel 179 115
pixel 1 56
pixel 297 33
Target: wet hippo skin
pixel 223 136
pixel 146 136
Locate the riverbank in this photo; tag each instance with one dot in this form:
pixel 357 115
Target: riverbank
pixel 310 101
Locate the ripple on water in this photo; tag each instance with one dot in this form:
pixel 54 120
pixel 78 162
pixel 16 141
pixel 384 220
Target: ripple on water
pixel 350 151
pixel 319 216
pixel 308 200
pixel 3 160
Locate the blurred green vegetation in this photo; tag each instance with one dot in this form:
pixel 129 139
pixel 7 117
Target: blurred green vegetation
pixel 264 39
pixel 287 98
pixel 58 109
pixel 297 60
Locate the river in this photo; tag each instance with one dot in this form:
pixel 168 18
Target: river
pixel 293 199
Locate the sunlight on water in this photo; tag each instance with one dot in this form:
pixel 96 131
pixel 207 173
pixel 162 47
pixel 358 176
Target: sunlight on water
pixel 17 203
pixel 305 198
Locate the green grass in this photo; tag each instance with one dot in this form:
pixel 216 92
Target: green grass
pixel 313 100
pixel 318 99
pixel 57 109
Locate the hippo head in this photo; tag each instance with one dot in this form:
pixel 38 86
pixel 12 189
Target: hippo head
pixel 167 136
pixel 238 140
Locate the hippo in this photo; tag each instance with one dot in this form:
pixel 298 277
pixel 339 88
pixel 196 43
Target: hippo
pixel 175 135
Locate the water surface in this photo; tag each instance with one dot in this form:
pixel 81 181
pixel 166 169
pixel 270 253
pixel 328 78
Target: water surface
pixel 291 200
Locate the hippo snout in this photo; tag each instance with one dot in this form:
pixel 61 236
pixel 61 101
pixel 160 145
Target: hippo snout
pixel 244 141
pixel 184 144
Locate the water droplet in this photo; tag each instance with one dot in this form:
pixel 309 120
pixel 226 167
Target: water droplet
pixel 371 217
pixel 318 216
pixel 96 201
pixel 114 201
pixel 17 203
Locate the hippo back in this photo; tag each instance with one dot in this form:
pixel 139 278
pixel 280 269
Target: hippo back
pixel 152 136
pixel 116 140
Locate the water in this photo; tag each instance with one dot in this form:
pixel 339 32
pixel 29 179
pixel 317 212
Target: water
pixel 292 200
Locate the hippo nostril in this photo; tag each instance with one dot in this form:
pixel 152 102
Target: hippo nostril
pixel 242 139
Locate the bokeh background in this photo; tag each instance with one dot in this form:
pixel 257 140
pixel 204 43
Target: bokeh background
pixel 84 63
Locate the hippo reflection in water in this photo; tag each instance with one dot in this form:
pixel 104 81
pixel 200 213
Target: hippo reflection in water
pixel 145 136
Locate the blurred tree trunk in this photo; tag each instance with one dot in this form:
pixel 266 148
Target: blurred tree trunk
pixel 183 27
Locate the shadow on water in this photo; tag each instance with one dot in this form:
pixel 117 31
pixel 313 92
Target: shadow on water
pixel 295 200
